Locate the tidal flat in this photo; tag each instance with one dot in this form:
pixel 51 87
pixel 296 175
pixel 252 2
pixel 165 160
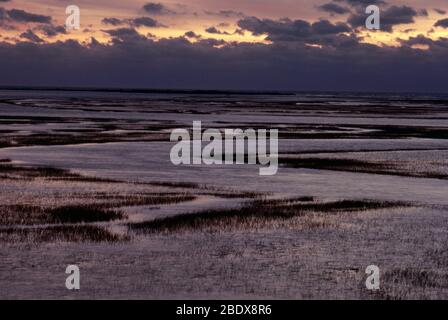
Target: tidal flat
pixel 86 179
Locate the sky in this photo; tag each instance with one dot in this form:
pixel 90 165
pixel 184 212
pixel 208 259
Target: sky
pixel 240 45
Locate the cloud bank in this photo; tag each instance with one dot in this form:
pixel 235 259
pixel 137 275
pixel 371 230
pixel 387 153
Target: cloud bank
pixel 297 55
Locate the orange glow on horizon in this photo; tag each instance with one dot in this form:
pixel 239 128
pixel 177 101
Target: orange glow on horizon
pixel 193 19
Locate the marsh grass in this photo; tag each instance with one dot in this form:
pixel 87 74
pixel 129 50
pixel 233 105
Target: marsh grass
pixel 411 284
pixel 371 132
pixel 351 165
pixel 258 214
pixel 185 185
pixel 9 170
pixel 208 190
pixel 416 278
pixel 29 215
pixel 348 206
pixel 16 172
pixel 21 214
pixel 32 172
pixel 305 199
pixel 154 200
pixel 236 195
pixel 81 208
pixel 358 131
pixel 80 233
pixel 13 171
pixel 80 137
pixel 78 214
pixel 91 207
pixel 439 256
pixel 113 200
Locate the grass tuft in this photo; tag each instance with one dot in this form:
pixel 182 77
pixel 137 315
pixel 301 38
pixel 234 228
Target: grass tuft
pixel 77 214
pixel 352 165
pixel 260 213
pixel 82 233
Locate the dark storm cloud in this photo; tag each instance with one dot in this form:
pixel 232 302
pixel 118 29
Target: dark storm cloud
pixel 3 14
pixel 131 59
pixel 442 23
pixel 390 17
pixel 214 30
pixel 192 35
pixel 135 22
pixel 135 61
pixel 423 13
pixel 362 3
pixel 440 11
pixel 113 21
pixel 291 30
pixel 125 34
pixel 333 8
pixel 51 31
pixel 326 27
pixel 145 21
pixel 409 30
pixel 434 45
pixel 157 9
pixel 225 13
pixel 421 39
pixel 31 36
pixel 9 17
pixel 23 16
pixel 210 42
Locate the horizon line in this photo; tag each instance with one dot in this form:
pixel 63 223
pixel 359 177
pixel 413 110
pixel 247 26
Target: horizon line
pixel 199 91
